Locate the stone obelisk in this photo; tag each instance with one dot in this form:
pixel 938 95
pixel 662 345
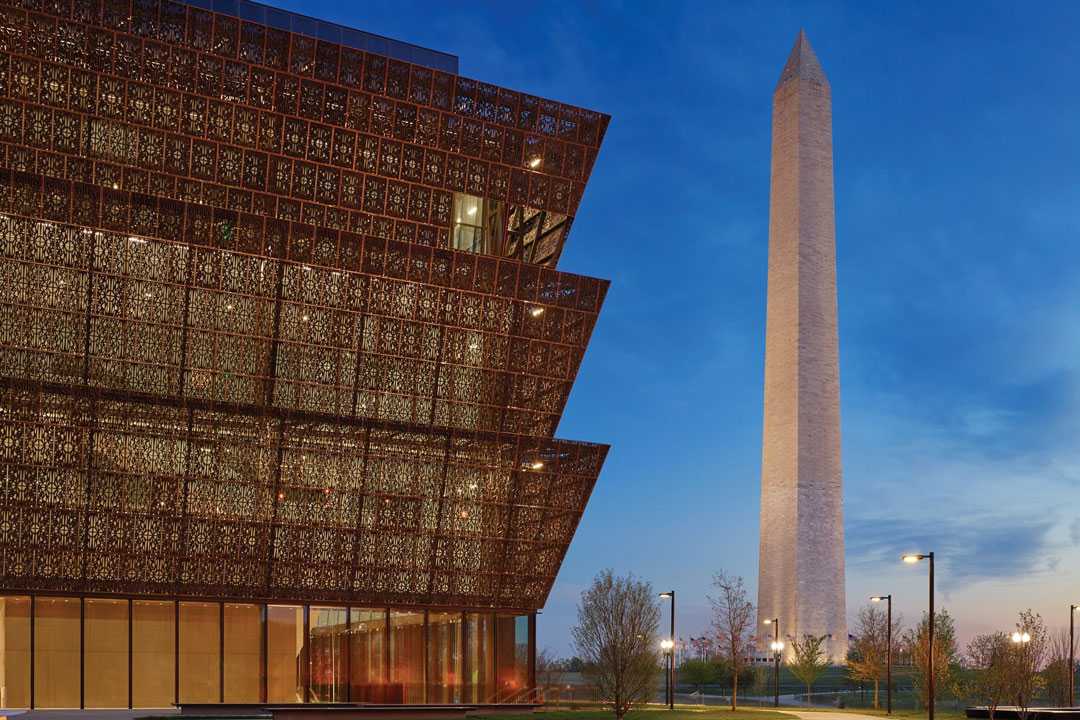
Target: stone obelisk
pixel 801 571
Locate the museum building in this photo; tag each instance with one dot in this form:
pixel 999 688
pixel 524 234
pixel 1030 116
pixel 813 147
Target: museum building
pixel 283 349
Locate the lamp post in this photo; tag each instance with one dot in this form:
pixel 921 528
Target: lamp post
pixel 670 594
pixel 888 650
pixel 912 559
pixel 1072 656
pixel 777 648
pixel 668 647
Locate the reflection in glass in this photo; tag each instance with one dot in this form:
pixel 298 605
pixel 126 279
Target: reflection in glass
pixel 444 657
pixel 284 654
pixel 329 647
pixel 56 652
pixel 105 648
pixel 200 664
pixel 406 657
pixel 512 634
pixel 479 658
pixel 14 652
pixel 367 637
pixel 153 667
pixel 243 653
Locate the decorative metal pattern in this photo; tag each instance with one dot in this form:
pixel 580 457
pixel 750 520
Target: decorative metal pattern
pixel 173 102
pixel 237 357
pixel 103 496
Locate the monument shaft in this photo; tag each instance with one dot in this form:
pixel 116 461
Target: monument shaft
pixel 801 573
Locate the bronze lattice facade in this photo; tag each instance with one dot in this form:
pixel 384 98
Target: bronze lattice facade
pixel 280 326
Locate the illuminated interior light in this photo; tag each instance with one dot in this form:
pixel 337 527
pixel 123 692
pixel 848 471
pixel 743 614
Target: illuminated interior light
pixel 537 465
pixel 534 163
pixel 536 311
pixel 471 211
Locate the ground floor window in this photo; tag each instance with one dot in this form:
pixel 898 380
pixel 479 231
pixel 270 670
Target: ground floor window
pixel 105 652
pixel 14 652
pixel 72 652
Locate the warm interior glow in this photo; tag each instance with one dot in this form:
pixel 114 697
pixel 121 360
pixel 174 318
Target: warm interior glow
pixel 535 162
pixel 536 311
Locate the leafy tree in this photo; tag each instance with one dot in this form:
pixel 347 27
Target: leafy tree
pixel 990 662
pixel 945 655
pixel 575 665
pixel 616 638
pixel 1029 658
pixel 699 673
pixel 868 654
pixel 808 659
pixel 733 622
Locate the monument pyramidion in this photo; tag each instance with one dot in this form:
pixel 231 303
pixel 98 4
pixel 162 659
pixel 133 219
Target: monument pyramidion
pixel 801 571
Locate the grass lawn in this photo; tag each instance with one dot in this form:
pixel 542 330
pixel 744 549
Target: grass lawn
pixel 693 712
pixel 940 713
pixel 681 712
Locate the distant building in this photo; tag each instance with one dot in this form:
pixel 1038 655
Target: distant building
pixel 283 348
pixel 801 574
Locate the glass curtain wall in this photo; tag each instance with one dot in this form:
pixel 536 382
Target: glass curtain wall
pixel 200 648
pixel 105 648
pixel 14 652
pixel 444 657
pixel 251 653
pixel 243 653
pixel 512 656
pixel 56 652
pixel 153 654
pixel 479 658
pixel 406 658
pixel 367 655
pixel 285 654
pixel 328 643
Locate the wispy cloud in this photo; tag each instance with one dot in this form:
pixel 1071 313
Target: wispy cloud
pixel 969 548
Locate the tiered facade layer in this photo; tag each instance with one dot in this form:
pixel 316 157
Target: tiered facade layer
pixel 237 356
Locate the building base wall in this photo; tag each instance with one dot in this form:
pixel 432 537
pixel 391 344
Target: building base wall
pixel 117 653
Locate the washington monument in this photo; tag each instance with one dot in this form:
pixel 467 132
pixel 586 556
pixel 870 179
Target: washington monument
pixel 801 571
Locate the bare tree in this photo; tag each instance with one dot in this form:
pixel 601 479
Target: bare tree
pixel 990 660
pixel 733 622
pixel 1057 669
pixel 549 672
pixel 618 619
pixel 868 657
pixel 808 659
pixel 1029 658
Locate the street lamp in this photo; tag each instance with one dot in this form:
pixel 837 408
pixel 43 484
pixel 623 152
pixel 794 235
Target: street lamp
pixel 670 594
pixel 668 647
pixel 778 648
pixel 911 559
pixel 1072 656
pixel 888 650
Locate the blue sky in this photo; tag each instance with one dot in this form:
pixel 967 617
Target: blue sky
pixel 958 219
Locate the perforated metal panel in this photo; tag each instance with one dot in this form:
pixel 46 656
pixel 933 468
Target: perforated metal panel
pixel 238 359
